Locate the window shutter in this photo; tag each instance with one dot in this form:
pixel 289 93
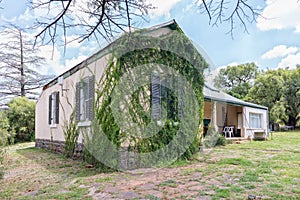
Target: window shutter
pixel 77 102
pixel 155 96
pixel 180 96
pixel 57 108
pixel 91 97
pixel 50 109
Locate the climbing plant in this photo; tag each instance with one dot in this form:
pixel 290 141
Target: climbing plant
pixel 173 50
pixel 70 129
pixel 71 133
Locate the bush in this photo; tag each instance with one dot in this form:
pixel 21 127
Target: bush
pixel 6 136
pixel 3 139
pixel 21 117
pixel 2 154
pixel 214 138
pixel 221 140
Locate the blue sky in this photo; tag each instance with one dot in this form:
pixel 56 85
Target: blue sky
pixel 272 42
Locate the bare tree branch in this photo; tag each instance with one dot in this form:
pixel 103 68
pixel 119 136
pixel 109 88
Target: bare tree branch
pixel 55 22
pixel 102 7
pixel 128 14
pixel 207 9
pixel 89 18
pixel 106 18
pixel 231 11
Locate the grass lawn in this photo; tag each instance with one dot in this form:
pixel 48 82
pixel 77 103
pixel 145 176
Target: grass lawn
pixel 269 169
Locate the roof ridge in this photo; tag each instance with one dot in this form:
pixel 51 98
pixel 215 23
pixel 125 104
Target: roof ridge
pixel 211 88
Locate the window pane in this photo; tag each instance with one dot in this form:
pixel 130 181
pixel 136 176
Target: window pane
pixel 53 103
pixel 82 105
pixel 86 99
pixel 255 120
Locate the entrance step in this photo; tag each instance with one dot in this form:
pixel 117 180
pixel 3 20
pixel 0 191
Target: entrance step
pixel 237 140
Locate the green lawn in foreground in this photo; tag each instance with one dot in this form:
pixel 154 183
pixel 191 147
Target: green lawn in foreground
pixel 270 169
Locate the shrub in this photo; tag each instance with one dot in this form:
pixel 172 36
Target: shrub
pixel 3 139
pixel 21 117
pixel 2 155
pixel 6 134
pixel 221 140
pixel 214 138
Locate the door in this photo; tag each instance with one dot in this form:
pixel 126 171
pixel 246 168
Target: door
pixel 240 121
pixel 240 124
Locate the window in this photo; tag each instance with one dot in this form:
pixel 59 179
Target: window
pixel 155 96
pixel 255 120
pixel 164 100
pixel 85 92
pixel 54 108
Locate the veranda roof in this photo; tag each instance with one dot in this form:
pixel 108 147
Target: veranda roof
pixel 213 94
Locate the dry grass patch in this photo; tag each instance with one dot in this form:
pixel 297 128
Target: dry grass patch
pixel 270 169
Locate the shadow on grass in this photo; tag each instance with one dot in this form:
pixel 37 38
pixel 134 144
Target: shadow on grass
pixel 58 163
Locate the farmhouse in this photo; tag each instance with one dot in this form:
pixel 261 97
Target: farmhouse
pixel 69 102
pixel 234 117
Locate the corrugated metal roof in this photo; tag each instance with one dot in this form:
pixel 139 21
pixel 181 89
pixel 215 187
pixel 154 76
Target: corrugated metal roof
pixel 213 94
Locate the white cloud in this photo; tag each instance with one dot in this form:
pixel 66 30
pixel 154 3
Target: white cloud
pixel 75 61
pixel 44 10
pixel 72 41
pixel 89 49
pixel 11 20
pixel 188 8
pixel 210 75
pixel 290 61
pixel 162 8
pixel 26 16
pixel 279 51
pixel 280 15
pixel 53 60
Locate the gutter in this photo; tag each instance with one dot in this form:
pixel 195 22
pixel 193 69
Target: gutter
pixel 234 103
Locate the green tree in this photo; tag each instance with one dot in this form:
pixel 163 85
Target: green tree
pixel 236 80
pixel 267 91
pixel 2 154
pixel 279 90
pixel 21 116
pixel 291 97
pixel 277 113
pixel 6 136
pixel 4 125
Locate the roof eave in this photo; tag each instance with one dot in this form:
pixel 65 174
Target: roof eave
pixel 236 103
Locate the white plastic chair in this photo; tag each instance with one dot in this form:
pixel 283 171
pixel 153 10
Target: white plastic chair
pixel 228 130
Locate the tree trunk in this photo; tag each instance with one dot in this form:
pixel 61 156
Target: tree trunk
pixel 22 81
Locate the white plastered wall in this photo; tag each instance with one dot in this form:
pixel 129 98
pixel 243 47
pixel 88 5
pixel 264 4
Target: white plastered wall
pixel 97 66
pixel 67 101
pixel 249 131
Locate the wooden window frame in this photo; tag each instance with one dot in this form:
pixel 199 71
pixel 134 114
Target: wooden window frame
pixel 85 94
pixel 53 109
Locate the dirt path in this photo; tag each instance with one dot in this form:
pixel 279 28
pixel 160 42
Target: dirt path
pixel 35 173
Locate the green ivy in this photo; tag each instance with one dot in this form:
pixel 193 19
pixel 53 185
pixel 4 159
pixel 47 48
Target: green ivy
pixel 155 51
pixel 71 133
